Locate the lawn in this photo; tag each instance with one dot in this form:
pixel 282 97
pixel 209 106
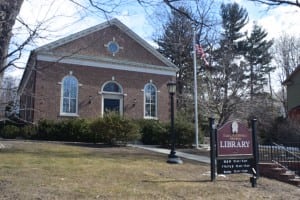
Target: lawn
pixel 42 170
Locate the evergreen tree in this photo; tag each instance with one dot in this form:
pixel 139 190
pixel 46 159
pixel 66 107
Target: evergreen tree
pixel 257 53
pixel 234 18
pixel 176 44
pixel 229 83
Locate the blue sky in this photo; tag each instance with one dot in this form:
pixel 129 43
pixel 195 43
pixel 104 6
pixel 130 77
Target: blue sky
pixel 63 17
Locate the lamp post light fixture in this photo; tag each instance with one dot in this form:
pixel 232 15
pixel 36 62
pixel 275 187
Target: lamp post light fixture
pixel 172 157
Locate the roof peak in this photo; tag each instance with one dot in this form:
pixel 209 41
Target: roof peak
pixel 101 26
pixel 79 34
pixel 288 79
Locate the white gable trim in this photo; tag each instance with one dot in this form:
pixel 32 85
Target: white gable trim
pixel 126 66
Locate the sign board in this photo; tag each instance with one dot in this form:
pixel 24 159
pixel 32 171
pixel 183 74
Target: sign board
pixel 234 139
pixel 235 149
pixel 234 166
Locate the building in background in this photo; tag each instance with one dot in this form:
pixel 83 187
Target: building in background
pixel 293 94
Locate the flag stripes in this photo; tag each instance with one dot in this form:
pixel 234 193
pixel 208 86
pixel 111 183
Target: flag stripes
pixel 201 53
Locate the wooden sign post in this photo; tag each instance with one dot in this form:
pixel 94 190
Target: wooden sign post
pixel 236 150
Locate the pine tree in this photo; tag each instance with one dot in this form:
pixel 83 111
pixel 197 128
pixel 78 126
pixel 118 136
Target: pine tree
pixel 230 82
pixel 257 53
pixel 176 44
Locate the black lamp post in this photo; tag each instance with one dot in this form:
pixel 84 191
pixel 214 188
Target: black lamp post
pixel 172 158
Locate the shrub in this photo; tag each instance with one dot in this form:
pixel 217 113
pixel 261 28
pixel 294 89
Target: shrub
pixel 114 130
pixel 184 132
pixel 47 130
pixel 157 133
pixel 66 130
pixel 153 132
pixel 96 127
pixel 84 133
pixel 10 132
pixel 72 130
pixel 28 132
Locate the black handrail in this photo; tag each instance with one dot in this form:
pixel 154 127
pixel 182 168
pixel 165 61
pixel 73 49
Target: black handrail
pixel 288 155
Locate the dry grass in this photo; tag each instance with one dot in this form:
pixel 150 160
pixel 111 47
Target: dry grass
pixel 36 170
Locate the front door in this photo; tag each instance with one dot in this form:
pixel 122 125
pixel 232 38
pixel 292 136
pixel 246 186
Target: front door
pixel 112 98
pixel 111 105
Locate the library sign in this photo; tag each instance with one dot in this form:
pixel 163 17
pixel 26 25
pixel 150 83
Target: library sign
pixel 234 139
pixel 234 149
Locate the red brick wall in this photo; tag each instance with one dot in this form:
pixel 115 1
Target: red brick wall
pixel 294 114
pixel 94 45
pixel 48 90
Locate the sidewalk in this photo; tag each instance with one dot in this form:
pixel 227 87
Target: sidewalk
pixel 203 159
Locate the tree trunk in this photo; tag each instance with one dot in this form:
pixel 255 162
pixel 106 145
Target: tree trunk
pixel 9 9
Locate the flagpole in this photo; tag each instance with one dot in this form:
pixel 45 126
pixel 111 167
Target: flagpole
pixel 195 90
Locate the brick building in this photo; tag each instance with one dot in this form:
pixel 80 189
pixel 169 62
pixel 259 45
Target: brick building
pixel 103 68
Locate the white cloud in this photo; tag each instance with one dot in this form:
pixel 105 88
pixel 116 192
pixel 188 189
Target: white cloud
pixel 275 21
pixel 280 20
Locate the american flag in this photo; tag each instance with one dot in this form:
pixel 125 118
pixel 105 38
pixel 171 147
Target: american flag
pixel 201 53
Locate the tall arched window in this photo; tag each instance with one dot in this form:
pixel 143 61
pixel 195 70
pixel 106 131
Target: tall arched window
pixel 69 97
pixel 150 101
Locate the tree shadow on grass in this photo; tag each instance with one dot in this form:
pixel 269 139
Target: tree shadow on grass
pixel 88 145
pixel 243 183
pixel 176 181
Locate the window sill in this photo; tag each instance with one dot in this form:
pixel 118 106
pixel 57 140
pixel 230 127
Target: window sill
pixel 154 118
pixel 68 115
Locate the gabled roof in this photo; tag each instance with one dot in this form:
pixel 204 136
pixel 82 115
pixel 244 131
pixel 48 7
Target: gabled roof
pixel 291 76
pixel 102 26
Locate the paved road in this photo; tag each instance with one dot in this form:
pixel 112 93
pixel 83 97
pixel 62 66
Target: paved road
pixel 203 159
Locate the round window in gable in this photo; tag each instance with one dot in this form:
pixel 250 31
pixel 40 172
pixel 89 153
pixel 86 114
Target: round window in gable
pixel 113 47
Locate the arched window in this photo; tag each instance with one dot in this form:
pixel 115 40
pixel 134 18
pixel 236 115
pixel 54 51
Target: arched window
pixel 112 87
pixel 69 97
pixel 150 101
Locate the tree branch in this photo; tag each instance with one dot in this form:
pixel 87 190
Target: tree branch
pixel 278 2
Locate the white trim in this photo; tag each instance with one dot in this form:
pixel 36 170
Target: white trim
pixel 68 114
pixel 156 103
pixel 61 113
pixel 146 117
pixel 26 77
pixel 112 95
pixel 126 66
pixel 113 81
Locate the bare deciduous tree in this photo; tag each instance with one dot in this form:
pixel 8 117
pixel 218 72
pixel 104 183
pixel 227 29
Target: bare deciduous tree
pixel 8 91
pixel 278 2
pixel 8 14
pixel 286 53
